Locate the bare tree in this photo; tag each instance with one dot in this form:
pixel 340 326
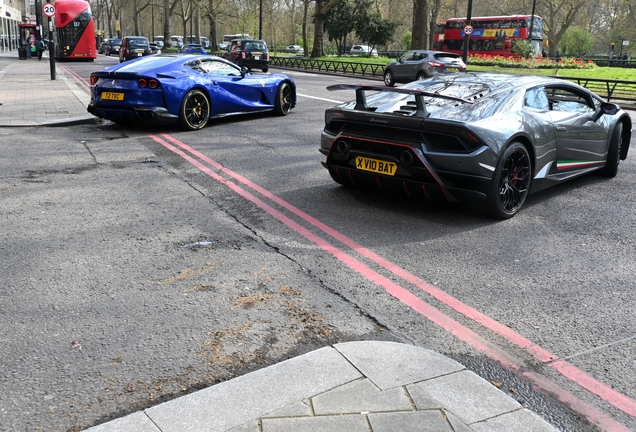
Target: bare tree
pixel 558 15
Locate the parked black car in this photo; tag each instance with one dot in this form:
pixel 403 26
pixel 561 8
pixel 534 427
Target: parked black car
pixel 253 54
pixel 103 47
pixel 114 45
pixel 133 47
pixel 420 64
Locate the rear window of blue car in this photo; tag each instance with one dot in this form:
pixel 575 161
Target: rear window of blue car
pixel 147 65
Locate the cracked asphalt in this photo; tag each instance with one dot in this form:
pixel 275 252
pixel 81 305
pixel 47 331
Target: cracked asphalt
pixel 123 286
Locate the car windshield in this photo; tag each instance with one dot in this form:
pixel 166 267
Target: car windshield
pixel 115 42
pixel 214 67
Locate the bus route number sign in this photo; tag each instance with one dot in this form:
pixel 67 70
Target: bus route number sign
pixel 48 9
pixel 468 29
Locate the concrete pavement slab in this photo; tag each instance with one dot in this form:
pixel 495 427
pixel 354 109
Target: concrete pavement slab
pixel 136 422
pixel 233 403
pixel 416 421
pixel 348 423
pixel 519 421
pixel 361 396
pixel 468 396
pixel 408 363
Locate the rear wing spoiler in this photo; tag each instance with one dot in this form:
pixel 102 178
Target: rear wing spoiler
pixel 361 98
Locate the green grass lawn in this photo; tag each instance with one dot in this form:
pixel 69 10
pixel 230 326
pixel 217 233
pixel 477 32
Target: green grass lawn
pixel 607 73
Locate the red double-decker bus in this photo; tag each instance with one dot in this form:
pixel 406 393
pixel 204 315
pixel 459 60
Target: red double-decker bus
pixel 438 37
pixel 74 31
pixel 492 35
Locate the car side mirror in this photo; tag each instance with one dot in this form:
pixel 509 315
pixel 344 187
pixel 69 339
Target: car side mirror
pixel 606 109
pixel 244 71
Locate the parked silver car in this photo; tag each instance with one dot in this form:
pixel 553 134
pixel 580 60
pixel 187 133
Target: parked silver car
pixel 420 64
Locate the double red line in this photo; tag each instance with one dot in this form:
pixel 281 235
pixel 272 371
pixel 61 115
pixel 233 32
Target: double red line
pixel 238 184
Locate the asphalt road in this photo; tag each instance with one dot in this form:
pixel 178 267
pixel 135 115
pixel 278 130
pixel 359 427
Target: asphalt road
pixel 130 276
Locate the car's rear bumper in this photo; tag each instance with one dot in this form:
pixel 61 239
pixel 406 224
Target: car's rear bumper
pixel 153 115
pixel 430 176
pixel 253 64
pixel 452 187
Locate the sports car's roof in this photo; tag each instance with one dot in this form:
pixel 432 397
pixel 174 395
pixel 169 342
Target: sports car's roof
pixel 149 63
pixel 465 97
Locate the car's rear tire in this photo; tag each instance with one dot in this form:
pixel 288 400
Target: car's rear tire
pixel 421 76
pixel 613 153
pixel 388 78
pixel 195 110
pixel 265 69
pixel 510 183
pixel 284 99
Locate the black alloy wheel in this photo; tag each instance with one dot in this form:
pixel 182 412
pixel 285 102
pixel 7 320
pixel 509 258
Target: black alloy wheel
pixel 195 110
pixel 284 99
pixel 510 182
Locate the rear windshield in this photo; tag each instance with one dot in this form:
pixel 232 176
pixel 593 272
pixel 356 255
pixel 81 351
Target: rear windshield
pixel 138 42
pixel 448 56
pixel 255 45
pixel 115 42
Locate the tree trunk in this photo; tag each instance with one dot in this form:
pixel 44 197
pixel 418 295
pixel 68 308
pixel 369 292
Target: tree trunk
pixel 420 24
pixel 319 30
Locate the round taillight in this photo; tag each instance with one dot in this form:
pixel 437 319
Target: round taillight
pixel 153 83
pixel 142 83
pixel 94 80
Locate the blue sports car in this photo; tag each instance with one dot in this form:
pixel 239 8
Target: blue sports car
pixel 192 48
pixel 186 90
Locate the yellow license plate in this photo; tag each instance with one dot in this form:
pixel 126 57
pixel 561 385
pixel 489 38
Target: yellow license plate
pixel 452 69
pixel 112 96
pixel 376 166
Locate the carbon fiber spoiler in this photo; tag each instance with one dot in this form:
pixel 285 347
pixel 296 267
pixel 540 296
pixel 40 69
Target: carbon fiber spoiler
pixel 361 98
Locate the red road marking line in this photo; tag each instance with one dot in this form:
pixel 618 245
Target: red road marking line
pixel 591 414
pixel 608 394
pixel 569 371
pixel 77 78
pixel 434 315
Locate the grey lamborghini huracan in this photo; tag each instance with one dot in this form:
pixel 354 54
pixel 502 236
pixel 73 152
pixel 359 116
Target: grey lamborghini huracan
pixel 483 137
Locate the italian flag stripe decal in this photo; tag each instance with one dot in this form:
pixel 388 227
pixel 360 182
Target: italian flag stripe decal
pixel 563 165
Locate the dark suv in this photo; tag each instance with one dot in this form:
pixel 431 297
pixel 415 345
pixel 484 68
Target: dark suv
pixel 253 54
pixel 133 47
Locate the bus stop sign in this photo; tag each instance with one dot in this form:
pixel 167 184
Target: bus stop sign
pixel 468 29
pixel 48 9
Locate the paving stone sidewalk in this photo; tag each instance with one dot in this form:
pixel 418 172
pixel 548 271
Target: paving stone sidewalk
pixel 354 386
